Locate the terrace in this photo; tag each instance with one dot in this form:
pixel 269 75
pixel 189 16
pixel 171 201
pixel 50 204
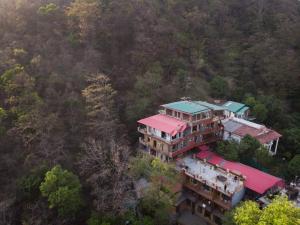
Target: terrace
pixel 217 178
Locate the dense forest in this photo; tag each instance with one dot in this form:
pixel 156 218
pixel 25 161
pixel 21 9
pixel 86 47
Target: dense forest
pixel 76 75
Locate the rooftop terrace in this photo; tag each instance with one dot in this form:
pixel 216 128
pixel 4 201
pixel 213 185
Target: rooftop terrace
pixel 255 180
pixel 213 176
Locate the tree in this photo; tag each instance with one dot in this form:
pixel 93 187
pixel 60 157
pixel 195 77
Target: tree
pixel 247 214
pixel 263 157
pixel 260 112
pixel 279 211
pixel 228 149
pixel 160 196
pixel 100 107
pixel 104 166
pixel 219 87
pixel 294 165
pixel 248 147
pixel 62 189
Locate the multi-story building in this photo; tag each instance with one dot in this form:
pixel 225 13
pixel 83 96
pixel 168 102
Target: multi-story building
pixel 179 127
pixel 208 191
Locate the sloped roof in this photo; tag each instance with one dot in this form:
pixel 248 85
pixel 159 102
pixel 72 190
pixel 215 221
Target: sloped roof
pixel 241 127
pixel 234 106
pixel 255 179
pixel 164 123
pixel 188 107
pixel 210 106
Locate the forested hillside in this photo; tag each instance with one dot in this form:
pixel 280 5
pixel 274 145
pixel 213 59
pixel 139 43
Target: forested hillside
pixel 75 75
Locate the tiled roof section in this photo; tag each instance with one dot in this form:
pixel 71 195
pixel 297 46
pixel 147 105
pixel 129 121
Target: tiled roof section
pixel 269 136
pixel 188 107
pixel 242 128
pixel 255 180
pixel 233 106
pixel 164 123
pixel 210 106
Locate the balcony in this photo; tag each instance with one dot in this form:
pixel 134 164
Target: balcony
pixel 199 189
pixel 209 195
pixel 224 204
pixel 142 141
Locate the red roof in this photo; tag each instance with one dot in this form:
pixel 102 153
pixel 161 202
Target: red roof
pixel 263 135
pixel 267 137
pixel 164 123
pixel 255 180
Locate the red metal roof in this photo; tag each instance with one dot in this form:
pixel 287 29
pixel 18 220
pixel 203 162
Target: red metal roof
pixel 255 180
pixel 164 123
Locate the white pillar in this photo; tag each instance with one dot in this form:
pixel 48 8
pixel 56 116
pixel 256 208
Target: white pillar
pixel 276 145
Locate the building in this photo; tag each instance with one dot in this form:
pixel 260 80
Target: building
pixel 257 183
pixel 179 127
pixel 236 129
pixel 213 185
pixel 208 191
pixel 236 109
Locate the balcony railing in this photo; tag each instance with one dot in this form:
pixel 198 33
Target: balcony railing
pixel 209 195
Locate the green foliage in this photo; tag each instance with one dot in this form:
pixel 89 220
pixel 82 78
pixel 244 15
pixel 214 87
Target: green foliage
pixel 62 188
pixel 294 165
pixel 263 157
pixel 141 166
pixel 247 214
pixel 29 185
pixel 129 216
pixel 219 87
pixel 159 197
pixel 280 211
pixel 291 140
pixel 157 205
pixel 260 112
pixel 228 149
pixel 48 9
pixel 248 147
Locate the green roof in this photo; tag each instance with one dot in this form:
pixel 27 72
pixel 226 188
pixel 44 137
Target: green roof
pixel 234 106
pixel 242 110
pixel 210 106
pixel 189 107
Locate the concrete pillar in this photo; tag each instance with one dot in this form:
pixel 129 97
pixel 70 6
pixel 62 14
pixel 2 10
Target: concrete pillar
pixel 276 145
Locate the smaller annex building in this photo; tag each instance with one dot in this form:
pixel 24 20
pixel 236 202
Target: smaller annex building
pixel 236 109
pixel 236 128
pixel 257 182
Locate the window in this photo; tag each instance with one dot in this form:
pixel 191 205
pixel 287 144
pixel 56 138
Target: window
pixel 185 116
pixel 163 135
pixel 206 187
pixel 199 117
pixel 154 144
pixel 177 114
pixel 194 118
pixel 194 181
pixel 169 112
pixel 194 128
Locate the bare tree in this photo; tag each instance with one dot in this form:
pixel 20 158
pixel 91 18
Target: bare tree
pixel 105 166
